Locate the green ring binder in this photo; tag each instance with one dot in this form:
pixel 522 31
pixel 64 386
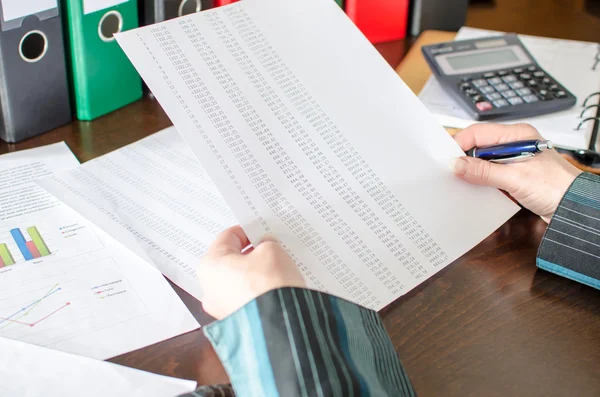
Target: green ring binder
pixel 103 79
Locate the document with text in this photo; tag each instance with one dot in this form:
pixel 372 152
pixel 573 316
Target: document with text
pixel 29 370
pixel 66 284
pixel 309 135
pixel 154 197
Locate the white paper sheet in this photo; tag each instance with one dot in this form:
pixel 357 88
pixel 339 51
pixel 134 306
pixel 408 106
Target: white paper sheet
pixel 90 6
pixel 86 294
pixel 14 9
pixel 27 371
pixel 569 62
pixel 311 136
pixel 154 195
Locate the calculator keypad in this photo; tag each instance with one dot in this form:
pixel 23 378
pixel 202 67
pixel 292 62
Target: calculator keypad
pixel 511 88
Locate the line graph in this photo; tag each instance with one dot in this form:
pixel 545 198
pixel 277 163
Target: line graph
pixel 24 311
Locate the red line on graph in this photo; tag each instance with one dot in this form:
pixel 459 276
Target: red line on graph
pixel 14 321
pixel 38 321
pixel 54 312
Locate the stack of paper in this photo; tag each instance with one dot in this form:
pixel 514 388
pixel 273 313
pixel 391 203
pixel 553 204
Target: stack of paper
pixel 66 284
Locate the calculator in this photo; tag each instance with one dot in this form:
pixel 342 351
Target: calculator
pixel 496 78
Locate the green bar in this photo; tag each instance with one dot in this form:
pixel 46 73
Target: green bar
pixel 7 258
pixel 38 241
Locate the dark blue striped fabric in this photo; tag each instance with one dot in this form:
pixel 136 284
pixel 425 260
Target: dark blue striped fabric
pixel 294 342
pixel 571 245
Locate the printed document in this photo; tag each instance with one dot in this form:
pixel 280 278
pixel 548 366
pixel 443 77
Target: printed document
pixel 311 136
pixel 29 370
pixel 155 197
pixel 64 283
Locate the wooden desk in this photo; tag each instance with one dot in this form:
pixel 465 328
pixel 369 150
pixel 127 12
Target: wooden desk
pixel 490 324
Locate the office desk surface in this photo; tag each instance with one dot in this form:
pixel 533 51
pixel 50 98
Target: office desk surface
pixel 490 324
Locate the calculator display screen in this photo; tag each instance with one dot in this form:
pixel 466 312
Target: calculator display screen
pixel 486 58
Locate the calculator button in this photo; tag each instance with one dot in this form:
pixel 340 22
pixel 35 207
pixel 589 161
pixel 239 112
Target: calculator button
pixel 489 75
pixel 545 95
pixel 525 76
pixel 509 79
pixel 493 96
pixel 464 86
pixel 502 87
pixel 524 91
pixel 532 83
pixel 502 73
pixel 478 98
pixel 553 88
pixel 494 81
pixel 516 85
pixel 532 68
pixel 546 81
pixel 479 82
pixel 487 89
pixel 484 106
pixel 471 92
pixel 530 98
pixel 509 94
pixel 539 74
pixel 560 94
pixel 515 100
pixel 466 79
pixel 518 70
pixel 500 103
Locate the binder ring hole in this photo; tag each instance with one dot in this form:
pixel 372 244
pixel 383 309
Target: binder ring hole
pixel 33 46
pixel 110 24
pixel 187 7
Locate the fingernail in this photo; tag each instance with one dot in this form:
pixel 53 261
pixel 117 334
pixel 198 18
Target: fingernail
pixel 459 166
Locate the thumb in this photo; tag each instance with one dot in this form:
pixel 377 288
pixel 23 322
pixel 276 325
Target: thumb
pixel 481 172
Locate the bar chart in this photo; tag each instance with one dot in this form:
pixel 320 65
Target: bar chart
pixel 6 258
pixel 30 249
pixel 31 246
pixel 44 239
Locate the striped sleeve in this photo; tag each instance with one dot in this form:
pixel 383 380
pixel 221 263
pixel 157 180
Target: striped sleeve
pixel 294 342
pixel 571 245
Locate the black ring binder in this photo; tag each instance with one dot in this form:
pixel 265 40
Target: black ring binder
pixel 596 118
pixel 585 121
pixel 589 107
pixel 594 137
pixel 590 96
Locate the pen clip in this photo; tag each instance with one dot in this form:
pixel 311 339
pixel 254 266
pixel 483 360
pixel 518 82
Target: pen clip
pixel 515 159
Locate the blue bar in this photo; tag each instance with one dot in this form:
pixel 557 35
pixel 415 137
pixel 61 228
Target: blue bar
pixel 20 240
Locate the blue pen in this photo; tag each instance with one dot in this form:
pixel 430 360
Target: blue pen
pixel 511 152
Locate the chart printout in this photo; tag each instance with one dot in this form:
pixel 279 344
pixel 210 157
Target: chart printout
pixel 311 136
pixel 64 283
pixel 154 196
